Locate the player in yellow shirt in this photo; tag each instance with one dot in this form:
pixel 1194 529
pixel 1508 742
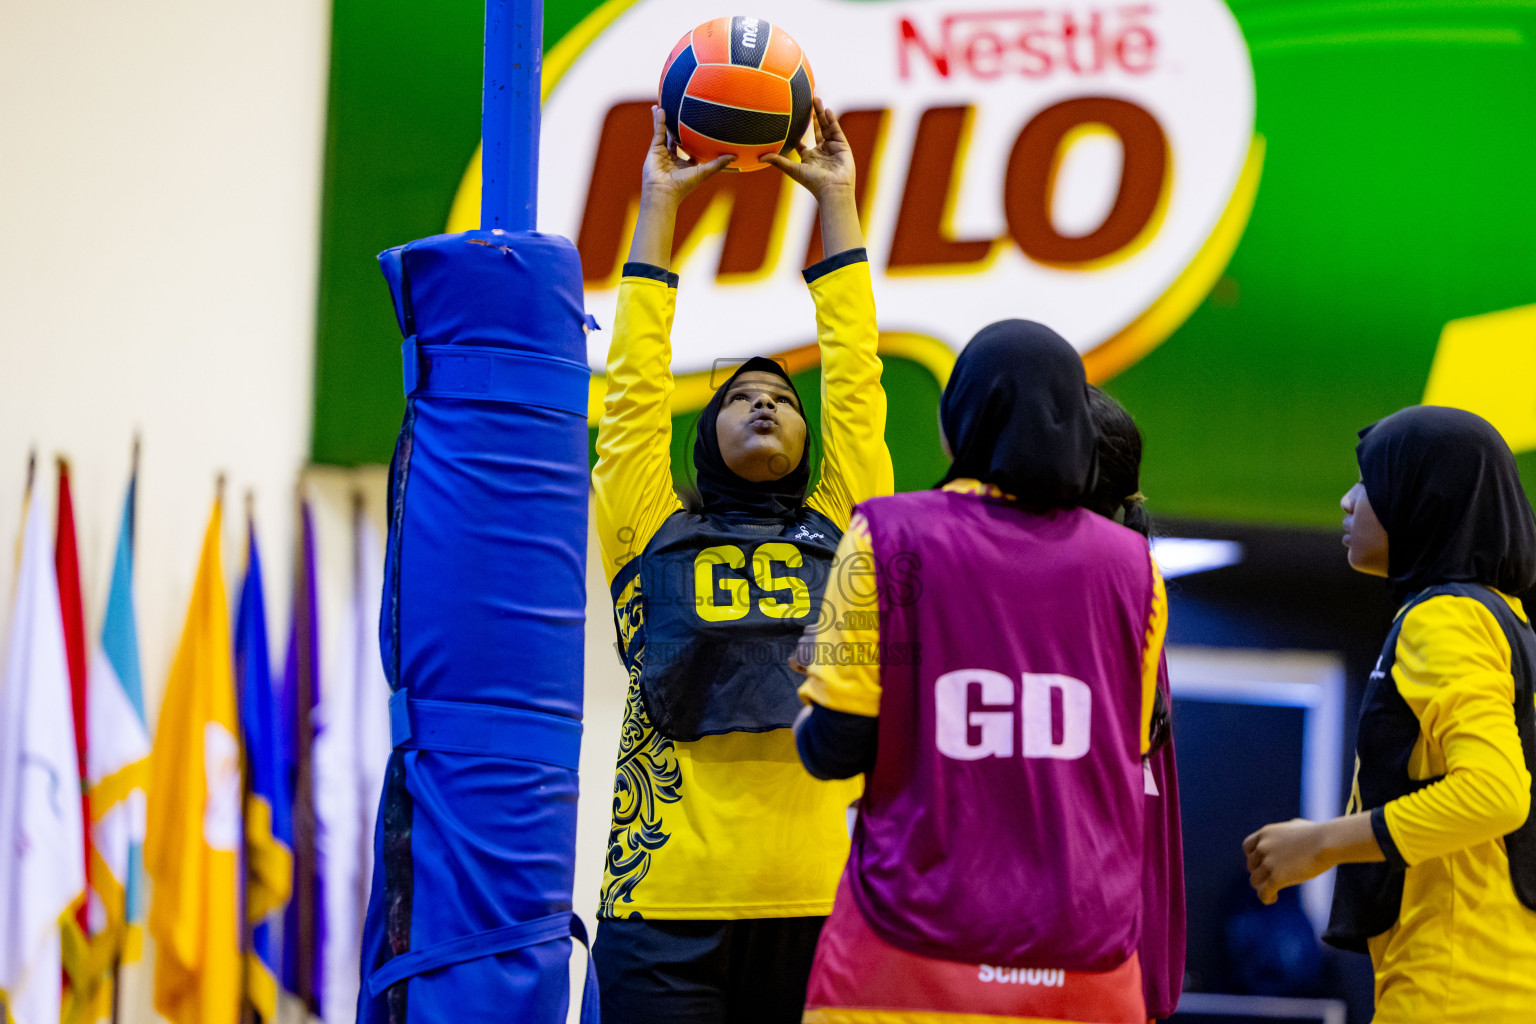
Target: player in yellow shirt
pixel 724 854
pixel 1438 847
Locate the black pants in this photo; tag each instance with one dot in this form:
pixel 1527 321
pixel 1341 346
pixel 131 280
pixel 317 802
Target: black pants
pixel 705 972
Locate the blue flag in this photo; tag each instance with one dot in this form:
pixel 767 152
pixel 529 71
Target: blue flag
pixel 120 653
pixel 268 826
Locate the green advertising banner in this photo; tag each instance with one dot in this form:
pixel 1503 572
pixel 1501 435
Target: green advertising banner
pixel 1264 224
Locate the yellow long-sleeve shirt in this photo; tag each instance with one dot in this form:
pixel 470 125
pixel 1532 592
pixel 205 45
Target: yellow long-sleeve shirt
pixel 1463 947
pixel 727 826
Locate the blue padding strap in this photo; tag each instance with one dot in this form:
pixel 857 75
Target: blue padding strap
pixel 589 996
pixel 487 730
pixel 490 943
pixel 495 375
pixel 399 718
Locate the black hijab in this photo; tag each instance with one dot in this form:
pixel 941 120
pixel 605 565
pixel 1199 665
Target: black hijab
pixel 1015 412
pixel 722 491
pixel 1444 485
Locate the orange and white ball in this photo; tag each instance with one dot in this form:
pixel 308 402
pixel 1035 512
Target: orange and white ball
pixel 740 86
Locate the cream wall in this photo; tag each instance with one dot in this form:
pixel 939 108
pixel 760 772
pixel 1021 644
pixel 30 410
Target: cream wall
pixel 160 167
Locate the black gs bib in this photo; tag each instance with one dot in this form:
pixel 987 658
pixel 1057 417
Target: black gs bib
pixel 710 613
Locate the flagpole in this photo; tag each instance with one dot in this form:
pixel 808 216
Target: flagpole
pixel 305 892
pixel 117 982
pixel 247 926
pixel 117 994
pixel 133 497
pixel 117 952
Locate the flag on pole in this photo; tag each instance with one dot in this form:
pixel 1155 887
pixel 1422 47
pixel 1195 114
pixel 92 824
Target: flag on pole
pixel 304 920
pixel 352 749
pixel 193 842
pixel 66 560
pixel 86 986
pixel 268 835
pixel 374 743
pixel 42 871
pixel 117 774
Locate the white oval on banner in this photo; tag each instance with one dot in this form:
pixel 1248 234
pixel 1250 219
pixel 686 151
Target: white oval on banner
pixel 1089 165
pixel 222 803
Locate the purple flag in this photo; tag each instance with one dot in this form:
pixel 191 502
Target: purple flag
pixel 304 921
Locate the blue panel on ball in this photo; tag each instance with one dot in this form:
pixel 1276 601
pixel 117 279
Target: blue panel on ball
pixel 732 125
pixel 749 41
pixel 673 85
pixel 800 105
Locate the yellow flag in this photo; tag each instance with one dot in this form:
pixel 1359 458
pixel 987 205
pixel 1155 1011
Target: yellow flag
pixel 192 844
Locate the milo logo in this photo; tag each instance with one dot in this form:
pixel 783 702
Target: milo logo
pixel 1090 165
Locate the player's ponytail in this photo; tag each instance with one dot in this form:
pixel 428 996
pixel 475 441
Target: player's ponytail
pixel 1133 513
pixel 1117 494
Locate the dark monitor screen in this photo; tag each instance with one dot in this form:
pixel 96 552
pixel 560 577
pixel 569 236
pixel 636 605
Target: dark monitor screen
pixel 1239 769
pixel 1259 738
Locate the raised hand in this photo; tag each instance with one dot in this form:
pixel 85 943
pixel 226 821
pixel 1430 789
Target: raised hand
pixel 667 176
pixel 826 166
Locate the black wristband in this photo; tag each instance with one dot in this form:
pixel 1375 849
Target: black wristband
pixel 651 272
pixel 843 259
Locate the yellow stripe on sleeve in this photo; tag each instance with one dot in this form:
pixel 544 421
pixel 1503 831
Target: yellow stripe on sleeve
pixel 1152 654
pixel 845 672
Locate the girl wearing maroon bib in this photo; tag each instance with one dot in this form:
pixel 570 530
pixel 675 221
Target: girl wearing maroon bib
pixel 1005 643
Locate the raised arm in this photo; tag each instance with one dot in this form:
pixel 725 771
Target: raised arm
pixel 632 481
pixel 855 461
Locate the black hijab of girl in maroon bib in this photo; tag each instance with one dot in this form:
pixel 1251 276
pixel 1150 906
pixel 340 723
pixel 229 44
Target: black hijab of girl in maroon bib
pixel 1015 412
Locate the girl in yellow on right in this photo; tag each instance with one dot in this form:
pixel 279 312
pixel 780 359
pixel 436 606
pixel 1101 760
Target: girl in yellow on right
pixel 1437 851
